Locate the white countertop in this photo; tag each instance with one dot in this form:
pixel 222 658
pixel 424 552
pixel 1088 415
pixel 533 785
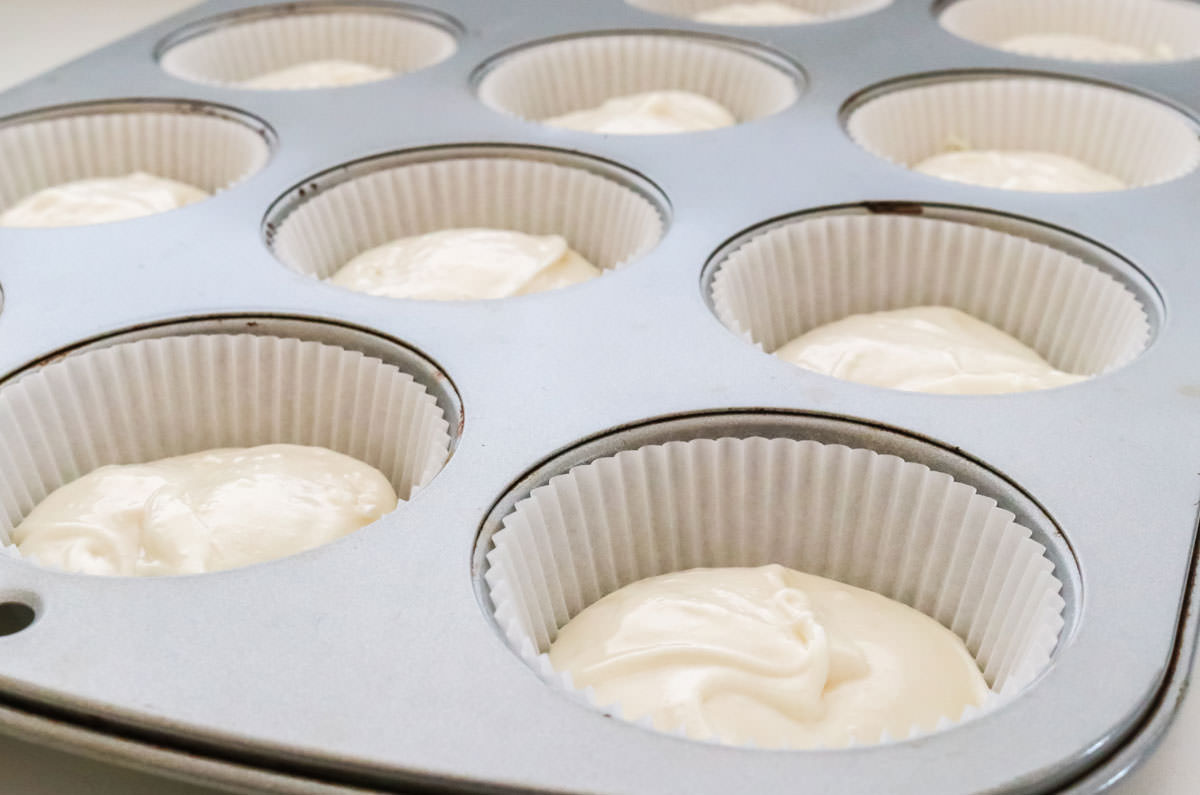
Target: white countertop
pixel 33 39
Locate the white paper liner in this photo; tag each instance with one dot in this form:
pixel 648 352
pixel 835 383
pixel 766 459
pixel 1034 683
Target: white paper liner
pixel 605 221
pixel 240 50
pixel 1133 138
pixel 813 271
pixel 141 401
pixel 551 79
pixel 1145 24
pixel 828 10
pixel 870 520
pixel 186 143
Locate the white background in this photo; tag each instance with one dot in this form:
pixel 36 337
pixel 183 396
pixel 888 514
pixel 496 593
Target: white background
pixel 36 35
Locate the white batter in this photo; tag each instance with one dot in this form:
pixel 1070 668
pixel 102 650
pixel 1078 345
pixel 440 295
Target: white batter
pixel 318 74
pixel 1080 47
pixel 97 201
pixel 924 349
pixel 649 113
pixel 465 265
pixel 208 511
pixel 1015 169
pixel 762 13
pixel 768 656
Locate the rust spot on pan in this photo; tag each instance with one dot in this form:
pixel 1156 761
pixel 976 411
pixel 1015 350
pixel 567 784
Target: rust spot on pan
pixel 894 208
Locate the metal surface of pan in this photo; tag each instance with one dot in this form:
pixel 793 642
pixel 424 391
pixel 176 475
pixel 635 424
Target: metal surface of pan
pixel 373 663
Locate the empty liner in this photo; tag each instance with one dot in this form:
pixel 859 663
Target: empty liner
pixel 828 10
pixel 874 521
pixel 140 401
pixel 1164 30
pixel 550 79
pixel 239 49
pixel 1131 137
pixel 604 220
pixel 203 146
pixel 805 273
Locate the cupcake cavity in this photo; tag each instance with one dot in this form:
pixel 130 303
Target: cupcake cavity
pixel 639 83
pixel 875 522
pixel 290 47
pixel 452 227
pixel 1014 295
pixel 109 161
pixel 1027 132
pixel 1114 31
pixel 118 459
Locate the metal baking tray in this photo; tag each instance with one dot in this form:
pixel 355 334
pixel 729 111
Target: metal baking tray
pixel 373 664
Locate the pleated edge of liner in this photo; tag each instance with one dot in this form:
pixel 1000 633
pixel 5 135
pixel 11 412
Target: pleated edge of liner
pixel 13 551
pixel 1047 638
pixel 729 318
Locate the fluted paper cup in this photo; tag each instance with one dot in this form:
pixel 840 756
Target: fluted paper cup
pixel 1158 30
pixel 205 146
pixel 609 222
pixel 873 521
pixel 821 10
pixel 235 48
pixel 140 401
pixel 1133 138
pixel 549 79
pixel 789 279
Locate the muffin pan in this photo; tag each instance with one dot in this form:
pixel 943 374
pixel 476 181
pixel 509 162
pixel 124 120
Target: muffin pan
pixel 375 663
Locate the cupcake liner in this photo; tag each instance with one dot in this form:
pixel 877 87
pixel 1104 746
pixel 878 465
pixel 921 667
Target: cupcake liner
pixel 607 222
pixel 554 78
pixel 874 521
pixel 141 401
pixel 807 272
pixel 1131 137
pixel 1165 30
pixel 829 10
pixel 232 49
pixel 204 146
